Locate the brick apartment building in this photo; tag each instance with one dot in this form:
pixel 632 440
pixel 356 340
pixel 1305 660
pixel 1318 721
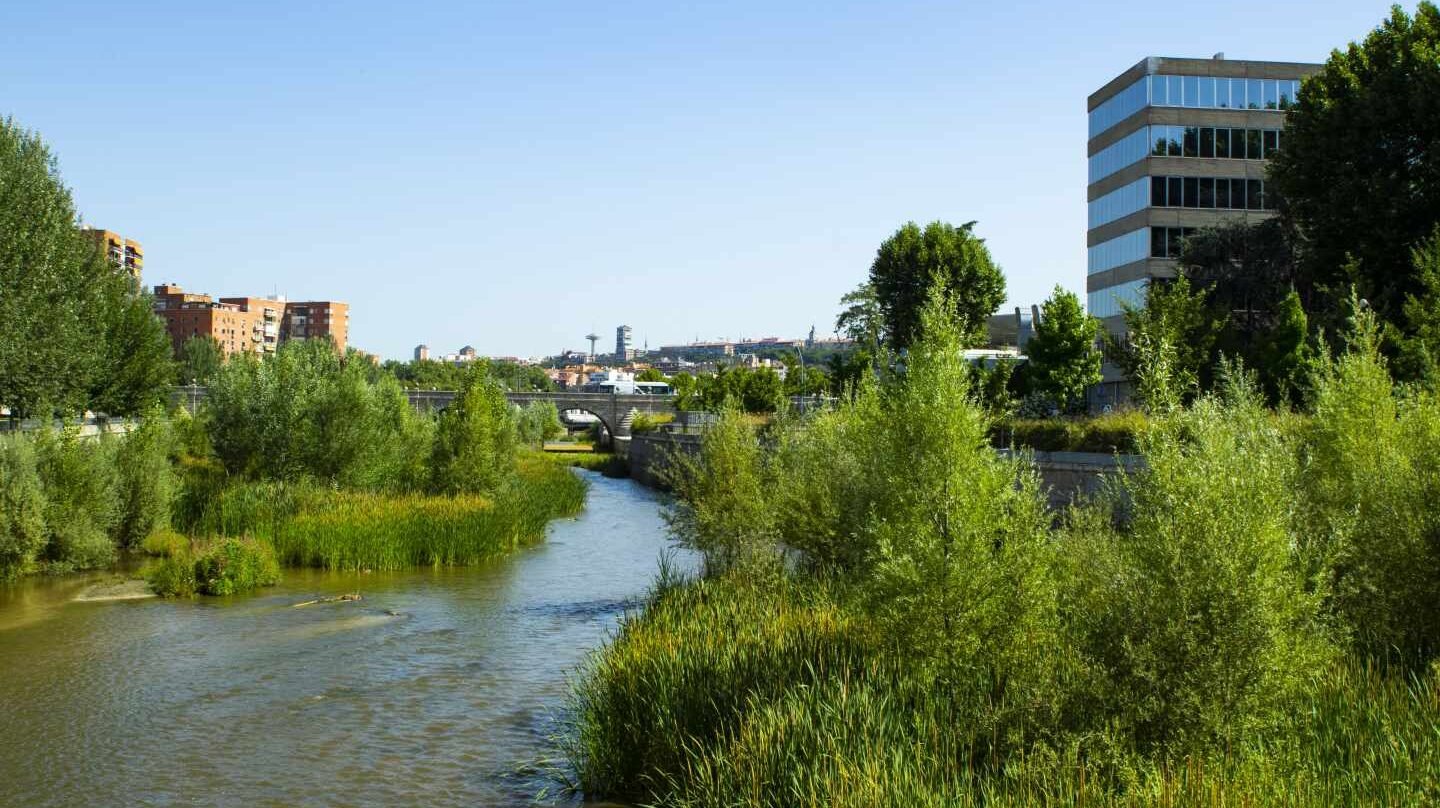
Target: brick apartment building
pixel 248 324
pixel 124 253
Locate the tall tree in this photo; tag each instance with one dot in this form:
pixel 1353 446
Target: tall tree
pixel 52 283
pixel 913 261
pixel 200 359
pixel 861 320
pixel 1418 356
pixel 135 369
pixel 1175 324
pixel 1359 167
pixel 1064 359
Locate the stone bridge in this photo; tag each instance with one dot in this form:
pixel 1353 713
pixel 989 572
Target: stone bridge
pixel 615 411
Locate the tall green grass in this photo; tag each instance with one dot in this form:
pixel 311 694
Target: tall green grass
pixel 315 526
pixel 227 566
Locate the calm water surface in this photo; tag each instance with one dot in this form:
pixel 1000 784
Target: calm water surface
pixel 250 701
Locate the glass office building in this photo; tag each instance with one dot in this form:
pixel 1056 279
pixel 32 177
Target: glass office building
pixel 1175 145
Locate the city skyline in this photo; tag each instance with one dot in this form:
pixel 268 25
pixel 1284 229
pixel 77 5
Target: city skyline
pixel 455 170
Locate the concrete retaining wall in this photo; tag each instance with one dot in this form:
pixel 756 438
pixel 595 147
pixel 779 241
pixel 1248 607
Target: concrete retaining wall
pixel 1066 476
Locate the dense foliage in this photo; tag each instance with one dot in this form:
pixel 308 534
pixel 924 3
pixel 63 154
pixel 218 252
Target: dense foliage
pixel 913 260
pixel 75 331
pixel 1359 171
pixel 1064 357
pixel 887 615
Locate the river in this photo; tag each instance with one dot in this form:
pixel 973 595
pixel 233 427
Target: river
pixel 450 700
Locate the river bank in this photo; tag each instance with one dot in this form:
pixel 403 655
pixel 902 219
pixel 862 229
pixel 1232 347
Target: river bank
pixel 246 700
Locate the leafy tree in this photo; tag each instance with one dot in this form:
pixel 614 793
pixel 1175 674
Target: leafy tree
pixel 538 422
pixel 145 479
pixel 861 320
pixel 135 368
pixel 82 506
pixel 1175 322
pixel 1064 361
pixel 22 506
pixel 1418 356
pixel 200 359
pixel 650 375
pixel 1284 357
pixel 912 261
pixel 1359 170
pixel 53 284
pixel 475 440
pixel 762 391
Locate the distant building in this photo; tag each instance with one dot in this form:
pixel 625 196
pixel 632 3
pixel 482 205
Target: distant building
pixel 422 353
pixel 468 353
pixel 267 324
pixel 1012 330
pixel 624 344
pixel 699 349
pixel 124 253
pixel 317 319
pixel 752 345
pixel 256 325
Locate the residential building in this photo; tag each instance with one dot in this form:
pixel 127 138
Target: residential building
pixel 1175 145
pixel 247 324
pixel 124 253
pixel 187 314
pixel 624 344
pixel 422 353
pixel 317 319
pixel 266 327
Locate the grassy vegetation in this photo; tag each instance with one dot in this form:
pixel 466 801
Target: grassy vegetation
pixel 650 422
pixel 226 566
pixel 1108 433
pixel 315 526
pixel 886 614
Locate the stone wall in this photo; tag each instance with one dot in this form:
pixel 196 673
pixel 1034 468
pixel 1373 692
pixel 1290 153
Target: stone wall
pixel 1066 476
pixel 648 454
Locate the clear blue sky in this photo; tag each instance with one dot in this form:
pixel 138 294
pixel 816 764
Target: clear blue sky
pixel 512 175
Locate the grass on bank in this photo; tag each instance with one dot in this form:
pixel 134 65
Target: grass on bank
pixel 314 526
pixel 730 692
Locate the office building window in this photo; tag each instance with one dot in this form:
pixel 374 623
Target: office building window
pixel 1110 301
pixel 1119 251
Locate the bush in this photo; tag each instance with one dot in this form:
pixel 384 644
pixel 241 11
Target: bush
pixel 538 422
pixel 475 441
pixel 22 507
pixel 1370 529
pixel 1204 629
pixel 1110 433
pixel 145 480
pixel 226 566
pixel 650 422
pixel 82 507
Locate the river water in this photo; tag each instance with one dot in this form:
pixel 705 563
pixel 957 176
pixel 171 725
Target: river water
pixel 451 700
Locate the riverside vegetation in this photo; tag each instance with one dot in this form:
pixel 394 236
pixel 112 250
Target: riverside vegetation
pixel 306 459
pixel 887 615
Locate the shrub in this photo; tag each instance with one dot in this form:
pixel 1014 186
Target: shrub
pixel 650 422
pixel 1205 630
pixel 22 507
pixel 1110 433
pixel 538 422
pixel 475 440
pixel 145 480
pixel 1370 527
pixel 81 503
pixel 226 566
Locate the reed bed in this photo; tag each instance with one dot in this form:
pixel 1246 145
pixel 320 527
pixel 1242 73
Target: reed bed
pixel 314 526
pixel 724 692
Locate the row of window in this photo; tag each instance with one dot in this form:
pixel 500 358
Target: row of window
pixel 1184 141
pixel 1219 143
pixel 1203 92
pixel 1211 193
pixel 1196 92
pixel 1201 193
pixel 1109 302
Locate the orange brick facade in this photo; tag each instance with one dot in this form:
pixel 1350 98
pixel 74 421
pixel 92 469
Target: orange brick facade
pixel 254 325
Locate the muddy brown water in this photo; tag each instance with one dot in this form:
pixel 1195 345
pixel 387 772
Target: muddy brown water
pixel 440 687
